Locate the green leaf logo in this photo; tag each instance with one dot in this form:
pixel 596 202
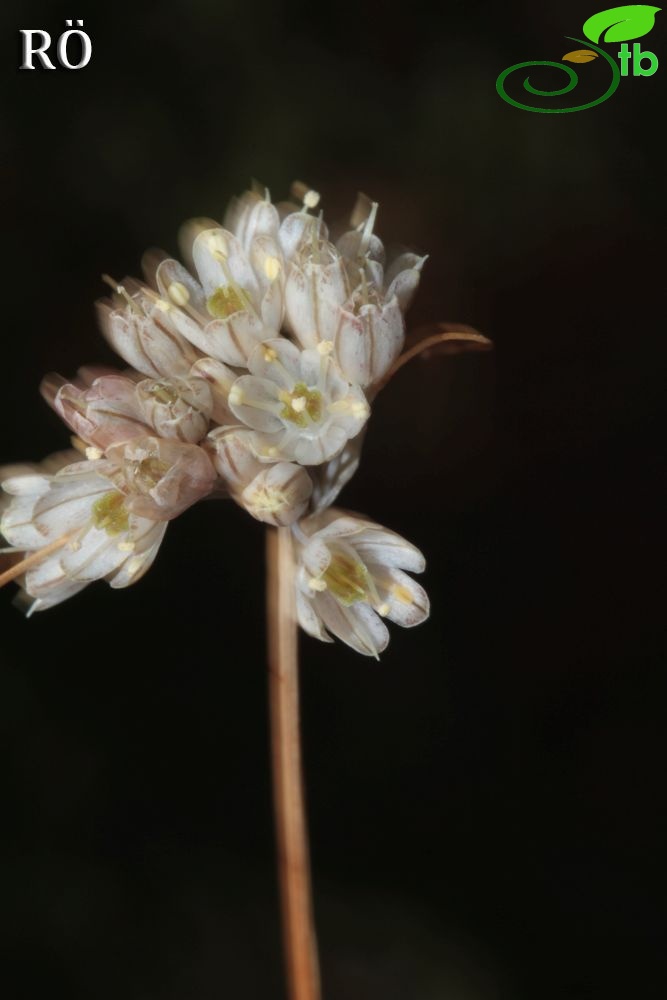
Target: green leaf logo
pixel 620 24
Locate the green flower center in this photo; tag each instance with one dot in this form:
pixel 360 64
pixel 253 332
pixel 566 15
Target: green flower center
pixel 164 393
pixel 302 405
pixel 226 300
pixel 110 514
pixel 347 579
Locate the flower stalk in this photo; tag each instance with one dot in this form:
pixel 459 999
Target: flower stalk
pixel 299 939
pixel 20 567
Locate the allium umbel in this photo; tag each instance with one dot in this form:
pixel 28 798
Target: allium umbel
pixel 251 373
pixel 250 376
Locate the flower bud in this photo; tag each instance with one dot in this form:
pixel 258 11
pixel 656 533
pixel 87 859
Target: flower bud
pixel 277 494
pixel 138 326
pixel 176 407
pixel 107 413
pixel 316 288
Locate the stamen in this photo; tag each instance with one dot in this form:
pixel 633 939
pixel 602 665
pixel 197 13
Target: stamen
pixel 301 405
pixel 78 444
pixel 122 291
pixel 134 565
pixel 178 293
pixel 217 246
pixel 317 583
pixel 272 268
pixel 355 407
pixel 306 194
pixel 93 454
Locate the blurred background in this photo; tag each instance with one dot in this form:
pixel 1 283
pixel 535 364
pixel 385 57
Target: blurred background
pixel 484 802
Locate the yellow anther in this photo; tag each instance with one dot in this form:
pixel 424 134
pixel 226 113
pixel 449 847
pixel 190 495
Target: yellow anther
pixel 235 395
pixel 93 454
pixel 134 565
pixel 125 546
pixel 165 306
pixel 217 244
pixel 268 500
pixel 178 293
pixel 316 583
pixel 325 347
pixel 309 197
pixel 383 609
pixel 269 354
pixel 359 410
pixel 272 268
pixel 301 405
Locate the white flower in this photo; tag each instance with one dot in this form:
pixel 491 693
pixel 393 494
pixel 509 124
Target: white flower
pixel 101 536
pixel 161 478
pixel 102 414
pixel 351 575
pixel 299 401
pixel 137 324
pixel 363 250
pixel 277 494
pixel 177 407
pixel 115 408
pixel 370 336
pixel 238 300
pixel 317 286
pixel 250 216
pixel 341 294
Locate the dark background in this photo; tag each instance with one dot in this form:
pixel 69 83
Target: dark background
pixel 484 803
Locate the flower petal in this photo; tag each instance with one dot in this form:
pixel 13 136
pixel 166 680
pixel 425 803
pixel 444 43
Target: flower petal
pixel 357 626
pixel 407 601
pixel 254 401
pixel 309 620
pixel 278 360
pixel 279 494
pixel 220 260
pixel 367 344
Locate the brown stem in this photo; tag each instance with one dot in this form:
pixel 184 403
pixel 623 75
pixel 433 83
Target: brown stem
pixel 448 338
pixel 299 939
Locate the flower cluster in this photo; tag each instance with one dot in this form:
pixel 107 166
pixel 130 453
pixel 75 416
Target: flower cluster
pixel 250 376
